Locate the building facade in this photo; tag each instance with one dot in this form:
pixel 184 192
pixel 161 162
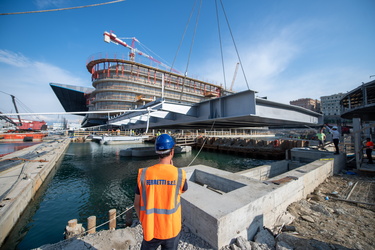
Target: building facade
pixel 307 103
pixel 330 105
pixel 331 108
pixel 126 85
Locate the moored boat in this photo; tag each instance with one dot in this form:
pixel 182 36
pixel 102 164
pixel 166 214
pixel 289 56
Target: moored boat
pixel 105 139
pixel 150 151
pixel 22 136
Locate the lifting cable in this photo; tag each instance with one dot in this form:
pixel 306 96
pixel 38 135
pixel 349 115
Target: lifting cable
pixel 191 48
pixel 235 46
pixel 221 46
pixel 70 8
pixel 21 104
pixel 204 142
pixel 183 36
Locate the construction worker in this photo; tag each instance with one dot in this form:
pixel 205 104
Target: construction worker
pixel 369 147
pixel 335 137
pixel 321 137
pixel 157 198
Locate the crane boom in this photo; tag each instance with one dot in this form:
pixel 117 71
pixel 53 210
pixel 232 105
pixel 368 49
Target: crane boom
pixel 111 37
pixel 234 76
pixel 15 106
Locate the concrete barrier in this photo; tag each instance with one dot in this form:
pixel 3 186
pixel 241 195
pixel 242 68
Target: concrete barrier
pixel 221 206
pixel 20 183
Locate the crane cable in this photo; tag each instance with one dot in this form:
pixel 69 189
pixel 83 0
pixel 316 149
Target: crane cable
pixel 221 46
pixel 183 36
pixel 204 142
pixel 70 8
pixel 191 48
pixel 22 105
pixel 234 43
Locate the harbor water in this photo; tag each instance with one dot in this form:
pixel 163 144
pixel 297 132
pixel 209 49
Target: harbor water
pixel 92 179
pixel 10 147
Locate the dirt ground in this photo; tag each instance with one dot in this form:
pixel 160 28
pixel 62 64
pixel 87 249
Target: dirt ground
pixel 343 224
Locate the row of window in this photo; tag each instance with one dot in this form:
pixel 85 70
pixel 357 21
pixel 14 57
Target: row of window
pixel 138 73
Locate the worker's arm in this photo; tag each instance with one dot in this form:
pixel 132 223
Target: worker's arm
pixel 137 205
pixel 185 186
pixel 329 129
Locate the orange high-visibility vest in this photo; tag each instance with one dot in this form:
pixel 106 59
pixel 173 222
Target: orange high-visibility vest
pixel 160 188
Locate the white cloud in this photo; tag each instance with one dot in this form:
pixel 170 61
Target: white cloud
pixel 15 59
pixel 41 4
pixel 28 81
pixel 316 83
pixel 282 65
pixel 261 61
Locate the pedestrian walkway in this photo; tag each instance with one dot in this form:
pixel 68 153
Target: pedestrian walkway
pixel 21 175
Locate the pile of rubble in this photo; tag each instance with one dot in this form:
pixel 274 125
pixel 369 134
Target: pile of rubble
pixel 327 219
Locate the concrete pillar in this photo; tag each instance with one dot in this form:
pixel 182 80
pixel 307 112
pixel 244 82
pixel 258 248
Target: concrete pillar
pixel 91 224
pixel 112 219
pixel 72 223
pixel 357 141
pixel 73 229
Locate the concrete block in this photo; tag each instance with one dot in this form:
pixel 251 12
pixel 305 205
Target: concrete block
pixel 221 206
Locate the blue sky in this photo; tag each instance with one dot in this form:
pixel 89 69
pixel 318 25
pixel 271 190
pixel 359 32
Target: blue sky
pixel 289 49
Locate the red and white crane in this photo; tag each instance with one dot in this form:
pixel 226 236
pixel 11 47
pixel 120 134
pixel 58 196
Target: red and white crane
pixel 111 37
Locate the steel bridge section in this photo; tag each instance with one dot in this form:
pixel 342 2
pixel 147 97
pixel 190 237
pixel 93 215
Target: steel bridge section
pixel 241 109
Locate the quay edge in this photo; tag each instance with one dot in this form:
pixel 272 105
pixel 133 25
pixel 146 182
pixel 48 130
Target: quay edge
pixel 22 181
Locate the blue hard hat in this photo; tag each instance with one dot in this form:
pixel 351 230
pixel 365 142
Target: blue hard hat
pixel 164 143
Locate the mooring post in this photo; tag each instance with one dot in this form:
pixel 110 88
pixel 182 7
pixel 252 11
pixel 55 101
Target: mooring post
pixel 72 223
pixel 73 229
pixel 112 219
pixel 91 224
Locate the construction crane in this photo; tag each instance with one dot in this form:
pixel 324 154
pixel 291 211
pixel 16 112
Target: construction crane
pixel 234 76
pixel 15 106
pixel 111 37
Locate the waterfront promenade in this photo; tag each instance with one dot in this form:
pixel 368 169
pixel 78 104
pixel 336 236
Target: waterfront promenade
pixel 22 173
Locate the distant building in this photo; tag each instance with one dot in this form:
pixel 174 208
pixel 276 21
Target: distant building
pixel 307 103
pixel 58 126
pixel 125 85
pixel 74 126
pixel 331 104
pixel 331 108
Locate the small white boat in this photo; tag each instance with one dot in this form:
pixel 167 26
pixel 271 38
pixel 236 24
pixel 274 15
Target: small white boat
pixel 95 138
pixel 150 151
pixel 122 139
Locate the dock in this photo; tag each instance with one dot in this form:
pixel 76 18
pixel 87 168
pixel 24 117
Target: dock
pixel 22 173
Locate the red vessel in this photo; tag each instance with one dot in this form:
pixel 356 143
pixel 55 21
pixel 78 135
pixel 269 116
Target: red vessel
pixel 32 125
pixel 22 136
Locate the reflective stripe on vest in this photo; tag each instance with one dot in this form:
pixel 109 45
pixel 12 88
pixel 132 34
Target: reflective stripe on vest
pixel 160 210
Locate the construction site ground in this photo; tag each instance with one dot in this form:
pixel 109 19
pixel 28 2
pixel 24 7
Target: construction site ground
pixel 341 212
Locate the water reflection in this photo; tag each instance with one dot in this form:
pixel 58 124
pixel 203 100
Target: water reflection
pixel 10 147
